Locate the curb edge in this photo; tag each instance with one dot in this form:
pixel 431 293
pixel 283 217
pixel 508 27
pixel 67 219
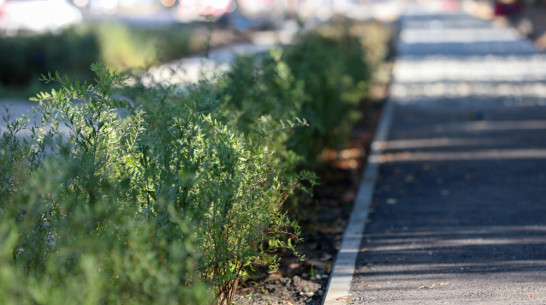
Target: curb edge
pixel 339 283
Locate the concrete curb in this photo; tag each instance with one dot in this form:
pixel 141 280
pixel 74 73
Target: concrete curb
pixel 339 284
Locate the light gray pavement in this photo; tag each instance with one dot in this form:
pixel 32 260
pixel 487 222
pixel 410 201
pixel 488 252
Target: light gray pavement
pixel 452 207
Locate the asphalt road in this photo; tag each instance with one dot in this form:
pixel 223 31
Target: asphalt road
pixel 458 213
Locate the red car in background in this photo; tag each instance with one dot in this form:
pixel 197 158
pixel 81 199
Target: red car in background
pixel 508 7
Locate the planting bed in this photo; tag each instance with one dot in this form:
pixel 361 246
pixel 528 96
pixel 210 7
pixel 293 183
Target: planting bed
pixel 188 197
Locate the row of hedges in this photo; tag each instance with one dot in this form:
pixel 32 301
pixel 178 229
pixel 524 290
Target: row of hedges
pixel 174 197
pixel 23 59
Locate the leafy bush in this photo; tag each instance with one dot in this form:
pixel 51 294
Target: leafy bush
pixel 333 71
pixel 175 196
pixel 125 47
pixel 230 181
pixel 128 195
pixel 321 78
pixel 262 85
pixel 79 229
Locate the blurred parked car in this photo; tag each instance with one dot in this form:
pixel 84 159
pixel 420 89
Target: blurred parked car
pixel 36 16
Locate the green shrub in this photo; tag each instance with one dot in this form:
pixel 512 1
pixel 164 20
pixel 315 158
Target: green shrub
pixel 176 41
pixel 321 78
pixel 122 49
pixel 128 195
pixel 231 181
pixel 24 59
pixel 62 250
pixel 334 74
pixel 174 197
pixel 262 86
pixel 79 230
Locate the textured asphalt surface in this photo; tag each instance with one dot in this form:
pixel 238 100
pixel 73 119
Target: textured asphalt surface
pixel 459 208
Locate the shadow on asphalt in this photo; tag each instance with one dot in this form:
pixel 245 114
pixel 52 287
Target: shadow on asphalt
pixel 459 201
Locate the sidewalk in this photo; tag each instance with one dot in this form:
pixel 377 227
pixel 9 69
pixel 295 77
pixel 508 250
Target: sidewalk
pixel 452 207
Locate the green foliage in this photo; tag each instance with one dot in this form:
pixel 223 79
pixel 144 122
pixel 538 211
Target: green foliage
pixel 333 71
pixel 80 230
pixel 175 196
pixel 230 182
pixel 129 196
pixel 262 86
pixel 122 48
pixel 23 59
pixel 321 78
pixel 125 47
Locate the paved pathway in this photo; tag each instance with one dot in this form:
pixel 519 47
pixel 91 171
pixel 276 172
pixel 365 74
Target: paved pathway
pixel 453 204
